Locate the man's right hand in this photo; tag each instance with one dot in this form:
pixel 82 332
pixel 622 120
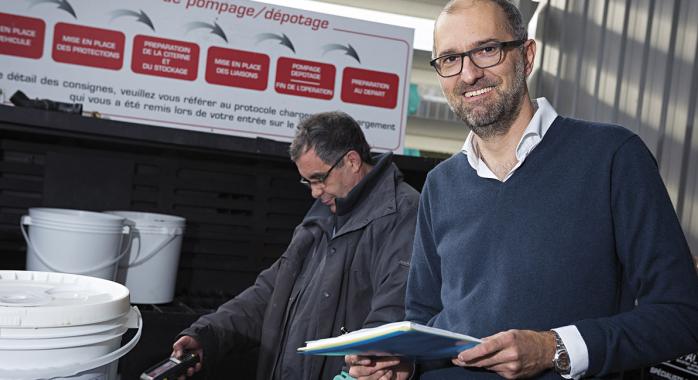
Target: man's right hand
pixel 378 367
pixel 188 343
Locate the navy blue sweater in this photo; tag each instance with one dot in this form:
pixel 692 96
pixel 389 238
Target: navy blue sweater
pixel 579 232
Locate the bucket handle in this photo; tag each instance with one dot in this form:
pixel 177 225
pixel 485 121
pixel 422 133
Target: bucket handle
pixel 127 229
pixel 172 235
pixel 75 368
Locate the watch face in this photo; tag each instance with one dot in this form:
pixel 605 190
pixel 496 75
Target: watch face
pixel 562 362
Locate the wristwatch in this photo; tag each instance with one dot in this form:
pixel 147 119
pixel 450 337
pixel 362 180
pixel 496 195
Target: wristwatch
pixel 561 360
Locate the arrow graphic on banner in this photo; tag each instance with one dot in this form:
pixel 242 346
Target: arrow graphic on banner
pixel 215 28
pixel 283 39
pixel 140 17
pixel 349 50
pixel 62 4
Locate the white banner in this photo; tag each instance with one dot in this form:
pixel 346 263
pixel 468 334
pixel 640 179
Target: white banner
pixel 231 67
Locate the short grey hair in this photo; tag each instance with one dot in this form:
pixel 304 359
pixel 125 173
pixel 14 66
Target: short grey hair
pixel 514 26
pixel 331 134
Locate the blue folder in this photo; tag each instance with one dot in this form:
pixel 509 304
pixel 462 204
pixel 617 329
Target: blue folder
pixel 407 339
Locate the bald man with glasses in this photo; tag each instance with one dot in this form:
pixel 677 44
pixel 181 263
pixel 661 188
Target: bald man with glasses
pixel 553 239
pixel 345 268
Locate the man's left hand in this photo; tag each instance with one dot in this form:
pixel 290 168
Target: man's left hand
pixel 512 354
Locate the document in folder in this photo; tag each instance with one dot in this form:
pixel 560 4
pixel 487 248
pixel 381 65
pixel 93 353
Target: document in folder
pixel 394 339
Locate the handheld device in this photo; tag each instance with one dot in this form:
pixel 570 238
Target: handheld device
pixel 171 368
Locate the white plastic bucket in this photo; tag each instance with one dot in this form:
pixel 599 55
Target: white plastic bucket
pixel 63 326
pixel 150 269
pixel 74 241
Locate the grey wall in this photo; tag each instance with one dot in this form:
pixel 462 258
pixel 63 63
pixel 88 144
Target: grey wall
pixel 631 62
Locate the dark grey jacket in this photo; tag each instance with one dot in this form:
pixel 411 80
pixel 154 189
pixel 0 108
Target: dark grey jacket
pixel 364 279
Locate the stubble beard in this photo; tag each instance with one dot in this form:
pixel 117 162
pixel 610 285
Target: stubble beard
pixel 496 118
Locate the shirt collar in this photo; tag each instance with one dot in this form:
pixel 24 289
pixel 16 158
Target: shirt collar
pixel 533 134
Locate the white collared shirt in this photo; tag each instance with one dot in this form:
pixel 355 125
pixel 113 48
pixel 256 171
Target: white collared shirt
pixel 533 134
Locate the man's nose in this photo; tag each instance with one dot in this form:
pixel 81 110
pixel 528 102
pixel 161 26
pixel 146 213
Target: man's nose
pixel 470 73
pixel 316 190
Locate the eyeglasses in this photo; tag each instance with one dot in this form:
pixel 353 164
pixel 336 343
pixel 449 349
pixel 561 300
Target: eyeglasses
pixel 489 55
pixel 320 179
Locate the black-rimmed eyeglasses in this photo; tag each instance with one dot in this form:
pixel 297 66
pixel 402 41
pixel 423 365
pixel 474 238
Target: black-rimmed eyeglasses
pixel 485 56
pixel 320 179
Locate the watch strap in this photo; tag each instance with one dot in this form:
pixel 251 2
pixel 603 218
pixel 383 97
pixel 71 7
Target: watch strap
pixel 561 359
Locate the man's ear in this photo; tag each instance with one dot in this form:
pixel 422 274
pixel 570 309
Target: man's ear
pixel 354 160
pixel 529 55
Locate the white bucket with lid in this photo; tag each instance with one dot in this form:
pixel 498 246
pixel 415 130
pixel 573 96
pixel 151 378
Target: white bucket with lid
pixel 63 326
pixel 74 241
pixel 149 271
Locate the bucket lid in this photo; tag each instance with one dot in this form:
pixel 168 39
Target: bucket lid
pixel 49 299
pixel 150 220
pixel 75 216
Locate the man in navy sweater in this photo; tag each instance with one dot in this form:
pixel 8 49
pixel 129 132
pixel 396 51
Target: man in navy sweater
pixel 553 238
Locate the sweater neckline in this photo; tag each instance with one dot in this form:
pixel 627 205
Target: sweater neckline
pixel 550 139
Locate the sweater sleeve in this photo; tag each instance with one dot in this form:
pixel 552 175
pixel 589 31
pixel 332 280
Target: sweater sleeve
pixel 656 267
pixel 423 298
